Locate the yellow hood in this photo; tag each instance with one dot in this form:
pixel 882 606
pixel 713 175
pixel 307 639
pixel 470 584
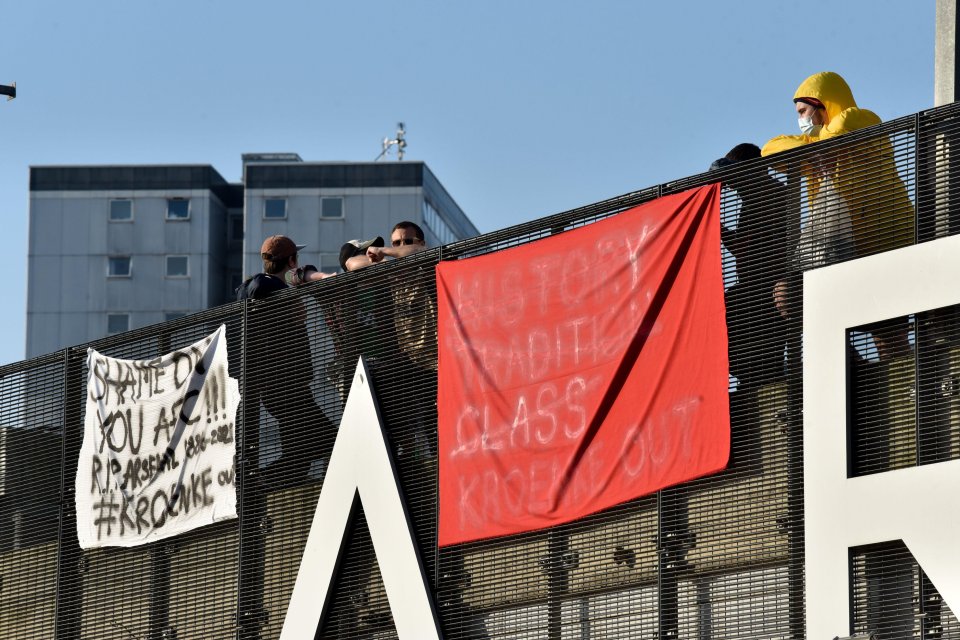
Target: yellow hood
pixel 830 89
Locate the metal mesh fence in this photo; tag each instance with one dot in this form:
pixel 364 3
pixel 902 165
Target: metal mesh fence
pixel 719 557
pixel 894 598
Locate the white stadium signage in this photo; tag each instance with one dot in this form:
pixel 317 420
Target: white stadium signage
pixel 361 469
pixel 919 505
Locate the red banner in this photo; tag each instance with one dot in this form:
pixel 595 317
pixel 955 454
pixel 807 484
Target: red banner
pixel 583 370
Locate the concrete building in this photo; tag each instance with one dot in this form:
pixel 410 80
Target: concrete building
pixel 114 248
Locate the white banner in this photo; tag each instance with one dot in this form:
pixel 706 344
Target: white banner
pixel 159 439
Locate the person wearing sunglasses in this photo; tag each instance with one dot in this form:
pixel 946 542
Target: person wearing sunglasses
pixel 405 238
pixel 414 311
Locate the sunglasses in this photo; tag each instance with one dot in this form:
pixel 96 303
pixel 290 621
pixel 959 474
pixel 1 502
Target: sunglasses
pixel 397 243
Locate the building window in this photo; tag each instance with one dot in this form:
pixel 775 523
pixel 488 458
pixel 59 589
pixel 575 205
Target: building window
pixel 118 267
pixel 178 266
pixel 173 315
pixel 118 323
pixel 121 210
pixel 330 263
pixel 331 207
pixel 275 208
pixel 178 209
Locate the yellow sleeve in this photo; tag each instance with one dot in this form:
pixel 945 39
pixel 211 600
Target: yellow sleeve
pixel 848 120
pixel 784 143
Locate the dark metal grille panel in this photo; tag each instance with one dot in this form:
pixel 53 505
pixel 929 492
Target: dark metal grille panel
pixel 719 557
pixel 893 597
pixel 31 442
pixel 905 380
pixel 360 607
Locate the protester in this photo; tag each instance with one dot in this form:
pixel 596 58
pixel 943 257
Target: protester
pixel 414 311
pixel 402 334
pixel 857 204
pixel 759 241
pixel 280 269
pixel 414 301
pixel 406 238
pixel 355 323
pixel 759 246
pixel 279 376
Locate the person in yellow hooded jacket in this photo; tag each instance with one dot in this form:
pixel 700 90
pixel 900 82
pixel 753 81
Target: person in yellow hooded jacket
pixel 857 204
pixel 855 191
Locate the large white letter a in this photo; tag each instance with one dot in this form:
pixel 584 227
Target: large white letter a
pixel 361 466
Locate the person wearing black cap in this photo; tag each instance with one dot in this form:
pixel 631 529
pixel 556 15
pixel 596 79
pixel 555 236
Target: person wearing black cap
pixel 279 376
pixel 354 322
pixel 363 324
pixel 758 243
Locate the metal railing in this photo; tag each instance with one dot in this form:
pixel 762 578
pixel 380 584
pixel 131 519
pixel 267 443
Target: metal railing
pixel 717 557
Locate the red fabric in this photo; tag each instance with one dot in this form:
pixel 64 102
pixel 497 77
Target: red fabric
pixel 582 370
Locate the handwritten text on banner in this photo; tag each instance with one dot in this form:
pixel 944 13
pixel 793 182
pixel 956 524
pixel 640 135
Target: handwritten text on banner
pixel 159 440
pixel 582 370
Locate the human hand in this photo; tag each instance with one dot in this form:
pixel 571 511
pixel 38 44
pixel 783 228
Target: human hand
pixel 375 254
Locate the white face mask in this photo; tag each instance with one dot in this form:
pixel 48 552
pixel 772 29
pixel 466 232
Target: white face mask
pixel 806 125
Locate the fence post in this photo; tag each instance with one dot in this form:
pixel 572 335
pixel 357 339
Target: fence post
pixel 69 556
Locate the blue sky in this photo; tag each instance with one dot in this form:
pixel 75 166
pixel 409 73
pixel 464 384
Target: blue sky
pixel 521 109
